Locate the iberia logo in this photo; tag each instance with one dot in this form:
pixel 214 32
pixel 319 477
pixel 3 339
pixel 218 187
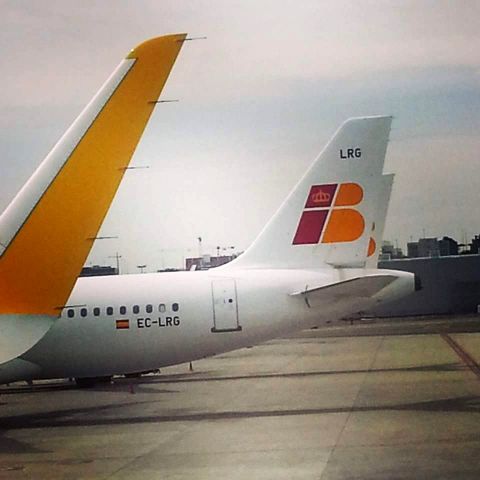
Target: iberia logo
pixel 327 216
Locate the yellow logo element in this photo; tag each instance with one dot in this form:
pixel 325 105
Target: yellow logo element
pixel 344 225
pixel 349 194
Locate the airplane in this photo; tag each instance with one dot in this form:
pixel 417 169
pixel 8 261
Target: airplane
pixel 49 228
pixel 306 267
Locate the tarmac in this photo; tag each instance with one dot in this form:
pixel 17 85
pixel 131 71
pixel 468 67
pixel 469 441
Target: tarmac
pixel 373 400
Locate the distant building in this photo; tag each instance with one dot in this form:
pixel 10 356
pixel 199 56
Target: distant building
pixel 206 261
pixel 412 250
pixel 398 253
pixel 389 251
pixel 428 247
pixel 432 247
pixel 448 246
pixel 475 245
pixel 98 271
pixel 386 251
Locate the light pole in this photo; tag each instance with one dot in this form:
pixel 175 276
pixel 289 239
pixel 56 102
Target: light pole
pixel 117 257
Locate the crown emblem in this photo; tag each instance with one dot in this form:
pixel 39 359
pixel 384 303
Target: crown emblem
pixel 320 197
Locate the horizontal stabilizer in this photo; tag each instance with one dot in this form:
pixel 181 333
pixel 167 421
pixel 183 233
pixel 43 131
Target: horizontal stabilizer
pixel 352 290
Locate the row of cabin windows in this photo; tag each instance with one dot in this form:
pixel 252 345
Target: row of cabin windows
pixel 122 310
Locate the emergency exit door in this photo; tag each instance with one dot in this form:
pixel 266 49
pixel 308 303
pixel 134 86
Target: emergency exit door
pixel 225 308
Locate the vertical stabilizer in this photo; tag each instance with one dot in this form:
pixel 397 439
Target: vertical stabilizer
pixel 326 220
pixel 47 231
pixel 378 225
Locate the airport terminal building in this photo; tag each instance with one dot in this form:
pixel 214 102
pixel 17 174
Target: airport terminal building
pixel 450 285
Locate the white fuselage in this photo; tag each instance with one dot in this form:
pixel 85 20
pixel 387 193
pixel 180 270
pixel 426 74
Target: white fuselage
pixel 181 316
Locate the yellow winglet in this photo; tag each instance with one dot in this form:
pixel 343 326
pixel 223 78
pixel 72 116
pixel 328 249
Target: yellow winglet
pixel 48 228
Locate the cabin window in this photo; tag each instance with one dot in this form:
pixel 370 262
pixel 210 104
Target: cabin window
pixel 109 310
pixel 149 308
pixel 136 309
pixel 175 307
pixel 161 308
pixel 83 312
pixel 70 313
pixel 96 311
pixel 123 310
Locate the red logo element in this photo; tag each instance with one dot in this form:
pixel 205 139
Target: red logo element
pixel 310 227
pixel 321 196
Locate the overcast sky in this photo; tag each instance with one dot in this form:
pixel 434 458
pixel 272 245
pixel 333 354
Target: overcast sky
pixel 258 100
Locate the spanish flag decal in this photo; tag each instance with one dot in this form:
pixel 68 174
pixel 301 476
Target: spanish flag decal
pixel 122 324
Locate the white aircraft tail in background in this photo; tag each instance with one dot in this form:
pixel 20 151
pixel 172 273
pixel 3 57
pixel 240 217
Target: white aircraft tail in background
pixel 378 226
pixel 327 218
pixel 49 228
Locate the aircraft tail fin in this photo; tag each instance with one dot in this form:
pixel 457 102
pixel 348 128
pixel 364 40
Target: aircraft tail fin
pixel 326 220
pixel 378 225
pixel 48 229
